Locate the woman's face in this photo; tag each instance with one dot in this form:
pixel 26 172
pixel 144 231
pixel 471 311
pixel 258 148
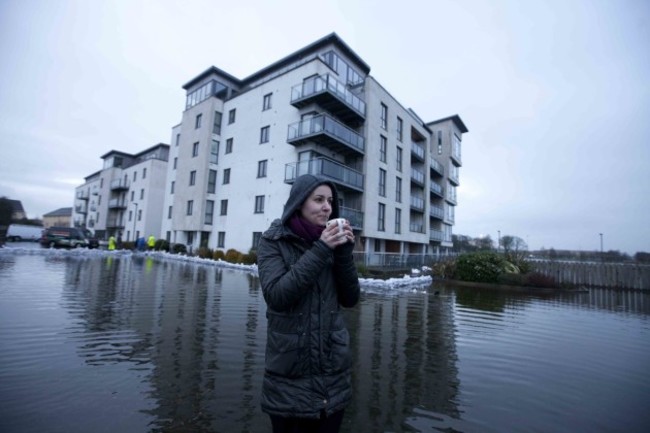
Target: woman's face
pixel 318 206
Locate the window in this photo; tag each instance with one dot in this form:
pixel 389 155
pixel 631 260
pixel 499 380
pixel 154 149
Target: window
pixel 209 210
pixel 169 213
pixel 382 148
pixel 214 152
pixel 231 116
pixel 264 134
pixel 197 122
pixel 439 142
pixel 190 207
pixel 135 176
pixel 259 204
pixel 266 103
pixel 261 168
pixel 398 159
pixel 381 217
pixel 139 214
pixel 144 173
pixel 384 116
pixel 224 207
pixel 382 182
pixel 141 194
pixel 190 238
pixel 132 196
pixel 229 145
pixel 400 128
pixel 130 215
pixel 398 220
pixel 216 126
pixel 398 190
pixel 192 177
pixel 212 181
pixel 195 149
pixel 221 239
pixel 175 162
pixel 226 176
pixel 178 139
pixel 173 186
pixel 256 239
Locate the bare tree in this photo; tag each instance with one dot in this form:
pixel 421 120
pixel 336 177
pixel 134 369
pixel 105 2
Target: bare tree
pixel 514 248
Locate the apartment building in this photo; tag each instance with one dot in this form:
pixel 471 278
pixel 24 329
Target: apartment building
pixel 242 142
pixel 124 199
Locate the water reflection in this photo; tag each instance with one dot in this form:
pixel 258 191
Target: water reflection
pixel 165 346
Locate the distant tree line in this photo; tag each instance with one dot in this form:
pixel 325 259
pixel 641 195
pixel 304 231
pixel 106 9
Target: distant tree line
pixel 516 249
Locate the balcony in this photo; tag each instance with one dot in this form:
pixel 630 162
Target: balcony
pixel 332 95
pixel 451 198
pixel 416 227
pixel 417 204
pixel 114 223
pixel 119 185
pixel 417 151
pixel 83 195
pixel 326 131
pixel 332 170
pixel 436 235
pixel 436 211
pixel 81 209
pixel 417 177
pixel 353 215
pixel 436 168
pixel 436 189
pixel 117 203
pixel 455 156
pixel 453 178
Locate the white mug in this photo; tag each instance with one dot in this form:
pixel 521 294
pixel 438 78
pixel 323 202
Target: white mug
pixel 337 221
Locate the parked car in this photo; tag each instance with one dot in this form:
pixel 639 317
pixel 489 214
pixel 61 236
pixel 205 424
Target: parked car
pixel 23 232
pixel 67 237
pixel 93 242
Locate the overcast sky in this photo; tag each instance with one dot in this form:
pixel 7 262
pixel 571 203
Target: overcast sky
pixel 555 94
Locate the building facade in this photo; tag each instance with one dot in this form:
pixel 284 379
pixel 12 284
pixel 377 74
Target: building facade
pixel 124 199
pixel 241 143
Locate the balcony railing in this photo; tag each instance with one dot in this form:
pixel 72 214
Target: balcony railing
pixel 453 178
pixel 117 203
pixel 437 167
pixel 436 189
pixel 436 211
pixel 83 195
pixel 325 130
pixel 353 215
pixel 451 198
pixel 338 173
pixel 118 184
pixel 417 227
pixel 417 176
pixel 456 157
pixel 436 235
pixel 417 151
pixel 114 223
pixel 82 209
pixel 331 94
pixel 417 203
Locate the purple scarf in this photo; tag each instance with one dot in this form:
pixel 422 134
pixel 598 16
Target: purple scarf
pixel 304 228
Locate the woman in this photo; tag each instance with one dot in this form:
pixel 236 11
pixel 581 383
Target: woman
pixel 307 273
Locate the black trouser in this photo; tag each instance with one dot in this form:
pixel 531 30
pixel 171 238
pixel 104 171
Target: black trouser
pixel 330 424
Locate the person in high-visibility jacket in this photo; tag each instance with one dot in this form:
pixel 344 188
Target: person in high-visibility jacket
pixel 151 242
pixel 111 243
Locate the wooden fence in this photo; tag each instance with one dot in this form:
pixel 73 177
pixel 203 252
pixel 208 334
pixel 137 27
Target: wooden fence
pixel 593 274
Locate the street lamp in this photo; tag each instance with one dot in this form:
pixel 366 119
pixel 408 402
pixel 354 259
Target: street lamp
pixel 601 246
pixel 498 240
pixel 135 216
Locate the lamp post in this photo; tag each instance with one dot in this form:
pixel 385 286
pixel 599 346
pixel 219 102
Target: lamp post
pixel 498 241
pixel 601 246
pixel 135 216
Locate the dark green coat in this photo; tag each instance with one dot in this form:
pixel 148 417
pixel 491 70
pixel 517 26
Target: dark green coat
pixel 307 368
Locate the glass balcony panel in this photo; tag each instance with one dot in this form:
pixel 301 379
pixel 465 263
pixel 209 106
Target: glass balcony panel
pixel 353 215
pixel 335 171
pixel 327 83
pixel 326 125
pixel 437 166
pixel 436 235
pixel 417 150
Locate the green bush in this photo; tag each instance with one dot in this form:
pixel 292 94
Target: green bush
pixel 218 255
pixel 233 256
pixel 161 245
pixel 250 258
pixel 179 249
pixel 444 269
pixel 204 253
pixel 480 267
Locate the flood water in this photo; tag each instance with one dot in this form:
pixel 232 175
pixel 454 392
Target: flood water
pixel 100 342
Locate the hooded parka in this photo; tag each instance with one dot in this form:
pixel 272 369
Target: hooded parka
pixel 308 360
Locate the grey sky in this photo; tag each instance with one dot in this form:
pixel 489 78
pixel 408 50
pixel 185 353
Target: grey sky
pixel 555 93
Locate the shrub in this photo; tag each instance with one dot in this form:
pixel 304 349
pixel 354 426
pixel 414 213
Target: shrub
pixel 233 256
pixel 444 269
pixel 512 279
pixel 362 270
pixel 250 258
pixel 218 255
pixel 480 267
pixel 179 249
pixel 161 245
pixel 204 253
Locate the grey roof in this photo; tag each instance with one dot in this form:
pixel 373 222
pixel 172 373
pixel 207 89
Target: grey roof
pixel 64 211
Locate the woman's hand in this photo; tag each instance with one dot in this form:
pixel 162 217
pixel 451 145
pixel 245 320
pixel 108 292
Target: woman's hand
pixel 333 237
